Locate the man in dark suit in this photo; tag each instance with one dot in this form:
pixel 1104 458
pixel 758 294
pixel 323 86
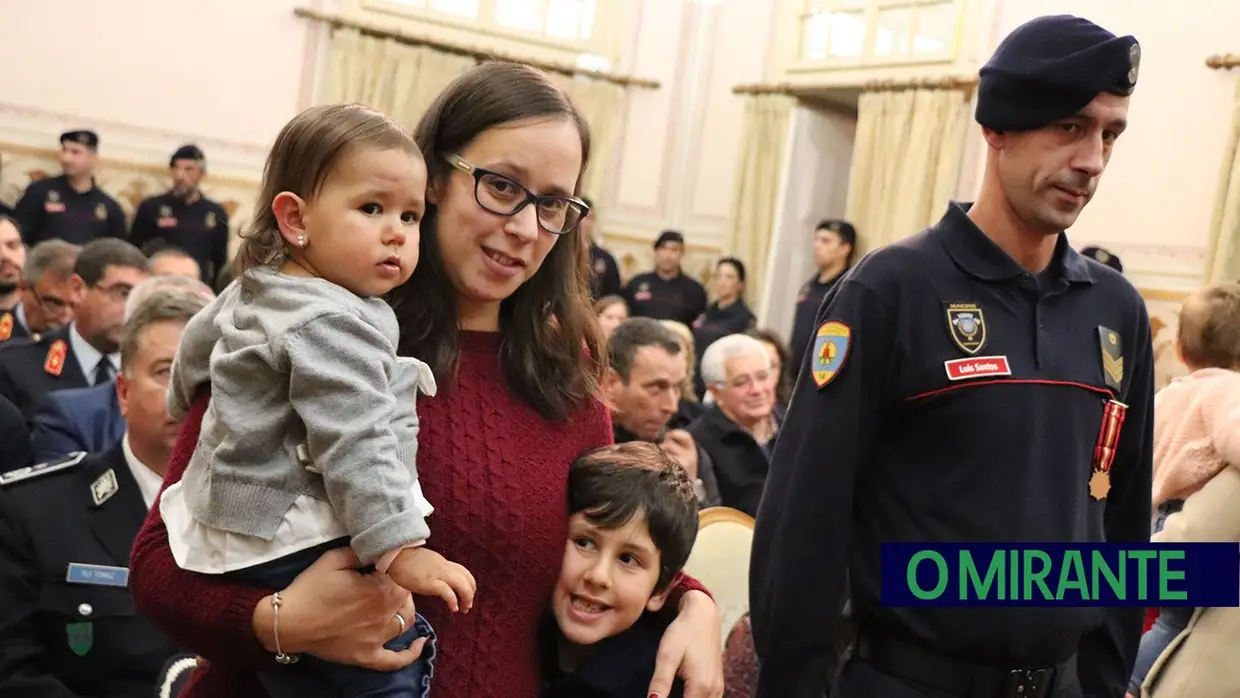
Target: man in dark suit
pixel 87 351
pixel 78 419
pixel 67 620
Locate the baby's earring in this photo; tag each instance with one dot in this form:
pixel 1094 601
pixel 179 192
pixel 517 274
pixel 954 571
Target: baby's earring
pixel 301 240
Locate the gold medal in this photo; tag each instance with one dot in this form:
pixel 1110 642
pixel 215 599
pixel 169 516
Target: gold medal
pixel 1100 484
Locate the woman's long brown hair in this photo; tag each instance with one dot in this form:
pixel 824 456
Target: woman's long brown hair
pixel 552 350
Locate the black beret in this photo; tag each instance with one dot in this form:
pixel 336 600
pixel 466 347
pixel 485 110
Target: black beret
pixel 668 236
pixel 90 139
pixel 1103 257
pixel 1050 68
pixel 188 152
pixel 840 227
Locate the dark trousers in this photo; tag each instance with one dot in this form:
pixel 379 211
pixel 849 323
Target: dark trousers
pixel 312 677
pixel 861 679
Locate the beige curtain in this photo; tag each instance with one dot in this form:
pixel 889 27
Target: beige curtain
pixel 764 137
pixel 396 79
pixel 1223 262
pixel 906 159
pixel 603 104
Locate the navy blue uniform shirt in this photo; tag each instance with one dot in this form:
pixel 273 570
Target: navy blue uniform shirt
pixel 604 273
pixel 679 298
pixel 199 227
pixel 952 396
pixel 51 209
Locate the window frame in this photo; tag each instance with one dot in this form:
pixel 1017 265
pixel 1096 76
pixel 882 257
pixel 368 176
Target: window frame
pixel 870 14
pixel 485 23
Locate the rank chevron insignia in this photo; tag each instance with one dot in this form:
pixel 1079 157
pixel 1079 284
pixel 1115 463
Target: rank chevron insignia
pixel 1112 358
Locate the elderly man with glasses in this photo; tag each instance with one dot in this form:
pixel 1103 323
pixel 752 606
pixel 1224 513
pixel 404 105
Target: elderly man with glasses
pixel 42 285
pixel 86 351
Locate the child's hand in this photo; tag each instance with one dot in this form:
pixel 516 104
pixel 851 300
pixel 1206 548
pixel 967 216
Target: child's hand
pixel 428 573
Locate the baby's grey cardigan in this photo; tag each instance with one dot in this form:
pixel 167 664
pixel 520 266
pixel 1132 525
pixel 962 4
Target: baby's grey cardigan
pixel 294 361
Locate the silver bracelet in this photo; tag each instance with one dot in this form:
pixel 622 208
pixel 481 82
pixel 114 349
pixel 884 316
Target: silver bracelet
pixel 276 602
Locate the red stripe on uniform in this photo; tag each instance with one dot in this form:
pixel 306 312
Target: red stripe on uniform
pixel 1013 381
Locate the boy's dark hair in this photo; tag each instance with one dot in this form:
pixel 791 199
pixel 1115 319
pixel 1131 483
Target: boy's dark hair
pixel 612 484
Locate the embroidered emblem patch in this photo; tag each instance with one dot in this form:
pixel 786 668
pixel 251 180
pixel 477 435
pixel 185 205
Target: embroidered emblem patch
pixel 101 212
pixel 81 637
pixel 977 367
pixel 830 349
pixel 599 266
pixel 967 326
pixel 165 212
pixel 54 364
pixel 1112 351
pixel 102 489
pixel 6 326
pixel 210 219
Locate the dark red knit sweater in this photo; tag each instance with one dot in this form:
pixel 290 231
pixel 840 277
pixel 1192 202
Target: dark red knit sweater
pixel 496 473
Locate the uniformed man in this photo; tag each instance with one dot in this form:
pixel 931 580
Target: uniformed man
pixel 834 242
pixel 86 351
pixel 69 206
pixel 957 389
pixel 666 293
pixel 1103 256
pixel 45 292
pixel 183 218
pixel 604 272
pixel 66 529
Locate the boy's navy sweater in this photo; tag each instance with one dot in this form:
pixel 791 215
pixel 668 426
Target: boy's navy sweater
pixel 620 667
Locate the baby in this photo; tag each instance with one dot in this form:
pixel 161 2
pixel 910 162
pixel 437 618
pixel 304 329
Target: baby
pixel 1196 431
pixel 310 437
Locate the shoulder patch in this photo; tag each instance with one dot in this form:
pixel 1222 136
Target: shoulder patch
pixel 831 343
pixel 34 471
pixel 6 325
pixel 54 364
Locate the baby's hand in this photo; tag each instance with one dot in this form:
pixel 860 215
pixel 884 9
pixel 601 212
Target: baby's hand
pixel 428 573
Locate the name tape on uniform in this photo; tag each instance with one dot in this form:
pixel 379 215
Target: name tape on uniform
pixel 98 575
pixel 977 367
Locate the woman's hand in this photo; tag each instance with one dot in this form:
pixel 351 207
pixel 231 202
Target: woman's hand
pixel 691 648
pixel 337 614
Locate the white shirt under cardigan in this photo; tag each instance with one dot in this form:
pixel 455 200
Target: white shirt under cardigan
pixel 295 364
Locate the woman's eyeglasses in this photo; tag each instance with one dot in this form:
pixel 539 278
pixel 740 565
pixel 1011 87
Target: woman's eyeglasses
pixel 505 196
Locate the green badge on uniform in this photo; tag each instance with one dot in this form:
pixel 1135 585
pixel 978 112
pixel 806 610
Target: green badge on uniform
pixel 81 636
pixel 1112 358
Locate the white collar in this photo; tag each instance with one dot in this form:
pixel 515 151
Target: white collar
pixel 19 314
pixel 88 357
pixel 148 480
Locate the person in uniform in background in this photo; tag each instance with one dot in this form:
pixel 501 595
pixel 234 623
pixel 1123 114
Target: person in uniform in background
pixel 604 272
pixel 45 292
pixel 979 381
pixel 69 206
pixel 666 293
pixel 727 314
pixel 183 218
pixel 834 242
pixel 1103 256
pixel 12 261
pixel 173 261
pixel 67 620
pixel 87 350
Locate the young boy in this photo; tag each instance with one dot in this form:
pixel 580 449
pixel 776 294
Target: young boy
pixel 632 523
